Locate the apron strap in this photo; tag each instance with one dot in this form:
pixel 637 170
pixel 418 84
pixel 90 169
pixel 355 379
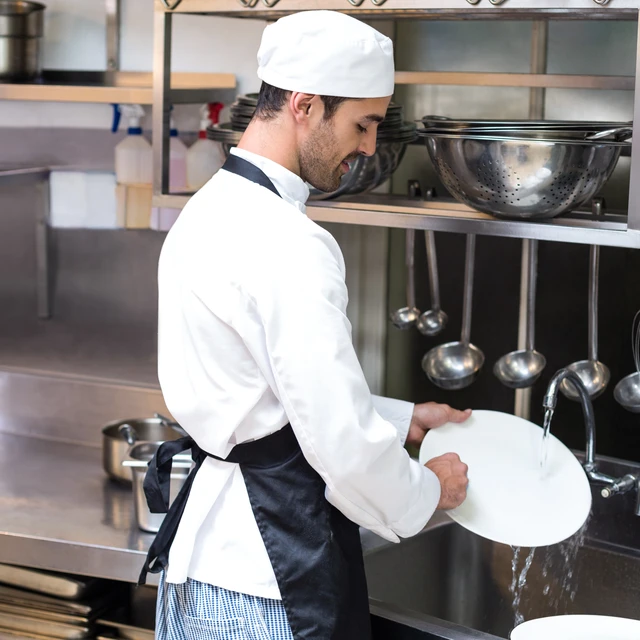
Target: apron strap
pixel 157 484
pixel 243 168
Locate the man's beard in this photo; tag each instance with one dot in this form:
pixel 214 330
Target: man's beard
pixel 319 165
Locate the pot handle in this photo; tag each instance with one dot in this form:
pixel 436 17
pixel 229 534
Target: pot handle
pixel 128 433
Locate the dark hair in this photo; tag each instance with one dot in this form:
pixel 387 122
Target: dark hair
pixel 271 100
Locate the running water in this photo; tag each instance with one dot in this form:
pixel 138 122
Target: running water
pixel 518 582
pixel 562 590
pixel 544 447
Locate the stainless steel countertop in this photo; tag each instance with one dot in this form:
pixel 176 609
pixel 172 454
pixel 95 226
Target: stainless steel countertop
pixel 59 511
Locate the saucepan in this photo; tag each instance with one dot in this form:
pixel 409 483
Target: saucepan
pixel 118 437
pixel 137 462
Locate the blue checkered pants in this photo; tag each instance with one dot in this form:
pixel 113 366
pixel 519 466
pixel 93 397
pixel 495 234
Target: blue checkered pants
pixel 198 611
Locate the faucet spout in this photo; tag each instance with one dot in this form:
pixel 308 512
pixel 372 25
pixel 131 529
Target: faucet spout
pixel 551 399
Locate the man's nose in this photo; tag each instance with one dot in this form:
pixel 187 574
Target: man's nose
pixel 368 143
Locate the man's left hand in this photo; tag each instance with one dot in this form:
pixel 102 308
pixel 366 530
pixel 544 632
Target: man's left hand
pixel 431 415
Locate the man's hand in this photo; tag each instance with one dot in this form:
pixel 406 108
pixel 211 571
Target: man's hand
pixel 452 473
pixel 431 415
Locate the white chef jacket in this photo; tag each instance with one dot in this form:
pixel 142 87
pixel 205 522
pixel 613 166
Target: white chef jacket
pixel 252 335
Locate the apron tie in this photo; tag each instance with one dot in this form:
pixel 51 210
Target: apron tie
pixel 157 484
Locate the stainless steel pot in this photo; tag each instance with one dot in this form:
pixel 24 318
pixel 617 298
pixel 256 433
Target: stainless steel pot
pixel 117 440
pixel 137 461
pixel 21 29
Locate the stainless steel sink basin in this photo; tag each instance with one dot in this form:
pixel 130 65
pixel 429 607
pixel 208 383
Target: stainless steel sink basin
pixel 449 574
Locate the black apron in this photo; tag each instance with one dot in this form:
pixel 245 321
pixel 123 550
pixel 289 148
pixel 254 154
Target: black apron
pixel 314 549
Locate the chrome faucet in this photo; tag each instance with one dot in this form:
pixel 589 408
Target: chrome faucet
pixel 611 485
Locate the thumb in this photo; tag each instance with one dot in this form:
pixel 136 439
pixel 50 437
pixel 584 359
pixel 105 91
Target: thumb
pixel 459 416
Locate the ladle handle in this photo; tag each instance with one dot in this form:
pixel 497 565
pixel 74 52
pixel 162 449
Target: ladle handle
pixel 410 261
pixel 532 278
pixel 468 289
pixel 594 271
pixel 432 261
pixel 597 206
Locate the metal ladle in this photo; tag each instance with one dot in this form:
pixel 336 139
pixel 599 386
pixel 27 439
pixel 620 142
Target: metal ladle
pixel 520 369
pixel 406 317
pixel 434 320
pixel 594 374
pixel 627 391
pixel 455 365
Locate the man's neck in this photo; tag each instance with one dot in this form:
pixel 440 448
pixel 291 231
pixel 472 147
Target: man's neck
pixel 269 140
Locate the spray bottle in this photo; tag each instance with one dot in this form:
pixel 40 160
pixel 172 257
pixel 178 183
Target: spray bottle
pixel 205 157
pixel 133 156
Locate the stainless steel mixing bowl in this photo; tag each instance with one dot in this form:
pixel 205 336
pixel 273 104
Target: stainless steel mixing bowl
pixel 521 178
pixel 367 172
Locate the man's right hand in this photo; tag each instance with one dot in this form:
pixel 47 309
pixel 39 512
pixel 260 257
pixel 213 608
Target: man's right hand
pixel 452 473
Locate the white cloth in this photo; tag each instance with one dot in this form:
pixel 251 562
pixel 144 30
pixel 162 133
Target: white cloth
pixel 253 334
pixel 326 53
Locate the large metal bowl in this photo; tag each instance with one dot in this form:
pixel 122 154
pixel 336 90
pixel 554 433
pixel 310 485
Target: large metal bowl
pixel 455 125
pixel 521 178
pixel 367 172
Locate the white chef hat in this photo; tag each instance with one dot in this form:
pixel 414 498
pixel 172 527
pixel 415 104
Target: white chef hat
pixel 326 53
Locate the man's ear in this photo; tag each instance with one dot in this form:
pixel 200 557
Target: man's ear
pixel 304 105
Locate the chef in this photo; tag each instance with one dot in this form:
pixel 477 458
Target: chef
pixel 292 452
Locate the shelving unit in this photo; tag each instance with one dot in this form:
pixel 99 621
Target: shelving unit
pixel 120 87
pixel 613 230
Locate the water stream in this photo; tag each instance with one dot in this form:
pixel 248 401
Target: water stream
pixel 558 564
pixel 544 446
pixel 519 581
pixel 557 568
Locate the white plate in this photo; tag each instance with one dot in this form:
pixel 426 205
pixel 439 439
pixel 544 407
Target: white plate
pixel 510 498
pixel 578 628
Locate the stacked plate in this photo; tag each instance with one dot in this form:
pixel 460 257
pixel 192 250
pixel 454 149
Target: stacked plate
pixel 540 129
pixel 367 173
pixel 242 111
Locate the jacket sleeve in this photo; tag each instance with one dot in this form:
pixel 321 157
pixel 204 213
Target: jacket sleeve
pixel 301 300
pixel 397 412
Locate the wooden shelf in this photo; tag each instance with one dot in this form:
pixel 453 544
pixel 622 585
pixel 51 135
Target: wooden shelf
pixel 123 87
pixel 542 80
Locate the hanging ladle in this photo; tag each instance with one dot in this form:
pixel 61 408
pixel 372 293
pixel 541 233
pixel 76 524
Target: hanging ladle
pixel 434 320
pixel 455 365
pixel 406 317
pixel 594 374
pixel 521 369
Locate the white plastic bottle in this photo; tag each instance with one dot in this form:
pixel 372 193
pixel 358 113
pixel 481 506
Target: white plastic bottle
pixel 133 156
pixel 205 157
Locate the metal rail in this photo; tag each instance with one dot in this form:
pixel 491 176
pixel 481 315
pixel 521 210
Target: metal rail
pixel 453 9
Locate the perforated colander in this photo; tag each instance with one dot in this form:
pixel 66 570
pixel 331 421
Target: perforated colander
pixel 521 178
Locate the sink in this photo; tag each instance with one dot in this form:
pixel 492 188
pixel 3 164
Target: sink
pixel 447 573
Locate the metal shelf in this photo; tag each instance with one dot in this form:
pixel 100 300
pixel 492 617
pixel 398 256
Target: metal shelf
pixel 531 80
pixel 451 216
pixel 443 9
pixel 115 87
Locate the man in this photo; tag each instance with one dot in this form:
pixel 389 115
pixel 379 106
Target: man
pixel 256 362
